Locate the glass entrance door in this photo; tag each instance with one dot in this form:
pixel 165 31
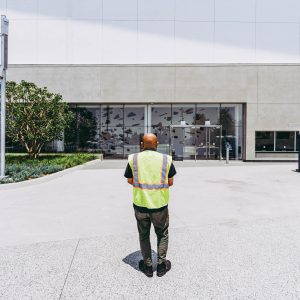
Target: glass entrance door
pixel 207 143
pixel 188 142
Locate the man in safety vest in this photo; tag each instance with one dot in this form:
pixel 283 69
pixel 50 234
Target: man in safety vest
pixel 151 174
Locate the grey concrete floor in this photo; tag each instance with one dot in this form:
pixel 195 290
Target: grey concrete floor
pixel 234 234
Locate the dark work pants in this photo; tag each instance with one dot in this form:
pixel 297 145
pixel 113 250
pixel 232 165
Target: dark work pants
pixel 160 221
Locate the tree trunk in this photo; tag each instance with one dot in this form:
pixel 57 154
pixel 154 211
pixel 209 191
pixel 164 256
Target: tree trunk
pixel 38 149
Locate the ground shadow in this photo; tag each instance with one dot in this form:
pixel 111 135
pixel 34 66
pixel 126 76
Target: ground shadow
pixel 133 259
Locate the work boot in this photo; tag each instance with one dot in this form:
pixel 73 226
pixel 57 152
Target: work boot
pixel 163 268
pixel 147 270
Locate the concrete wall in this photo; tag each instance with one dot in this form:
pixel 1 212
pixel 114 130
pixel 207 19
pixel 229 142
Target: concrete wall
pixel 271 92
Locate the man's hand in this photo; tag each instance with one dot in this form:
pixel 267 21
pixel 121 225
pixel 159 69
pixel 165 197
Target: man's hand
pixel 130 181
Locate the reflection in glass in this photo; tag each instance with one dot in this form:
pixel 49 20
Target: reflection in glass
pixel 117 129
pixel 70 134
pixel 206 112
pixel 161 118
pixel 88 121
pixel 232 129
pixel 111 140
pixel 285 140
pixel 208 143
pixel 132 139
pixel 264 141
pixel 183 113
pixel 134 116
pixel 227 118
pixel 112 116
pixel 163 137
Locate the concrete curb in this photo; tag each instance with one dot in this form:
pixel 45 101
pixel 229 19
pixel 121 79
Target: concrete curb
pixel 46 178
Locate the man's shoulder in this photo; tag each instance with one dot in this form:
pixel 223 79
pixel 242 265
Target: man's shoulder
pixel 153 153
pixel 130 157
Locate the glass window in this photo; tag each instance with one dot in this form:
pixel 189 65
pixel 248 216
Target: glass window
pixel 117 129
pixel 161 119
pixel 112 116
pixel 70 135
pixel 88 120
pixel 132 139
pixel 134 116
pixel 183 113
pixel 297 140
pixel 111 140
pixel 227 119
pixel 232 128
pixel 285 140
pixel 163 137
pixel 208 113
pixel 161 116
pixel 112 135
pixel 134 120
pixel 264 141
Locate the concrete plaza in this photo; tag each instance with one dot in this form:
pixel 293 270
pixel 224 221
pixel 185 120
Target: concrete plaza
pixel 234 234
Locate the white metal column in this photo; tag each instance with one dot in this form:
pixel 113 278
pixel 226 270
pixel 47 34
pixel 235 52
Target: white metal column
pixel 4 64
pixel 148 111
pixel 3 100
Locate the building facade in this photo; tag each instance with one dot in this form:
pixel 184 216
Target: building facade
pixel 133 66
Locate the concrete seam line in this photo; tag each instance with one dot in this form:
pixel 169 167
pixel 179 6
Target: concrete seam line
pixel 45 178
pixel 65 281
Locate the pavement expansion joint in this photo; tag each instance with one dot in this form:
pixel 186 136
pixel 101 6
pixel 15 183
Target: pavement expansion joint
pixel 66 278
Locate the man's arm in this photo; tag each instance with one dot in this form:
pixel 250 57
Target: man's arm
pixel 128 174
pixel 172 173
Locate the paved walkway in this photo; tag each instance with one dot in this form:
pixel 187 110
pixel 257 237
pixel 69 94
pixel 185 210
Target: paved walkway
pixel 235 234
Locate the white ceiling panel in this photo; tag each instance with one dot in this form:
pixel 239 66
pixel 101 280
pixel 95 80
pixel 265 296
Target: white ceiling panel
pixel 85 42
pixel 20 10
pixel 156 42
pixel 156 9
pixel 235 10
pixel 87 9
pixel 54 9
pixel 52 42
pixel 277 42
pixel 194 10
pixel 234 43
pixel 23 42
pixel 194 42
pixel 278 11
pixel 119 42
pixel 120 10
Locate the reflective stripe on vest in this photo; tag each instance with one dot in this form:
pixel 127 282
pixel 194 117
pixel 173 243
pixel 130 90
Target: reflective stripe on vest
pixel 162 184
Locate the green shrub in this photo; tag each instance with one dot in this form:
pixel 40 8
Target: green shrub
pixel 20 167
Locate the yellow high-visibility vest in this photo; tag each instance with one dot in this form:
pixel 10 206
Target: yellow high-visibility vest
pixel 150 171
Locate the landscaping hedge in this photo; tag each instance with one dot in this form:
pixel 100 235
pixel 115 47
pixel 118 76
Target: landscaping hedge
pixel 21 167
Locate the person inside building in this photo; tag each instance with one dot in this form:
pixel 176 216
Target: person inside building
pixel 151 174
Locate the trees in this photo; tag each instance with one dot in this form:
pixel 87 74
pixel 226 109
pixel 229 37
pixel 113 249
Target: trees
pixel 35 116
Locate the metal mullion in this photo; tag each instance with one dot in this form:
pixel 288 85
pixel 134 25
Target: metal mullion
pixel 77 129
pixel 123 130
pixel 274 132
pixel 100 121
